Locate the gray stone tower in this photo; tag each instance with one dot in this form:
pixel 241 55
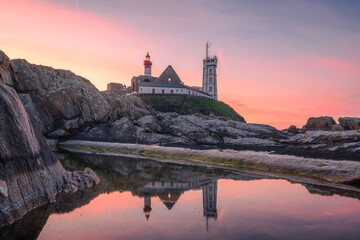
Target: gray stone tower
pixel 209 74
pixel 209 201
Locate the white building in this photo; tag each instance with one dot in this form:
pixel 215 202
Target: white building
pixel 170 88
pixel 169 82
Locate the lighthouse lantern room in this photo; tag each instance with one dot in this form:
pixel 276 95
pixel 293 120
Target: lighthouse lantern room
pixel 147 64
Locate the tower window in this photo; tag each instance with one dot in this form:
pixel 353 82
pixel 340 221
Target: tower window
pixel 210 71
pixel 210 89
pixel 210 79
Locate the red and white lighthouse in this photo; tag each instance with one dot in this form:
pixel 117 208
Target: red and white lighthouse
pixel 147 64
pixel 147 206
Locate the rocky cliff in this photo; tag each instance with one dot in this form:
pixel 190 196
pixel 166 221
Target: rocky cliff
pixel 30 174
pixel 60 102
pixel 63 104
pixel 68 106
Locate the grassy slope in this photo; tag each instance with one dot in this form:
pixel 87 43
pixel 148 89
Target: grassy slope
pixel 188 105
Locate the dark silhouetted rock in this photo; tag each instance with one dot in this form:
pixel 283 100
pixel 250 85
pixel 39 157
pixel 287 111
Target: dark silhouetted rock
pixel 319 123
pixel 350 123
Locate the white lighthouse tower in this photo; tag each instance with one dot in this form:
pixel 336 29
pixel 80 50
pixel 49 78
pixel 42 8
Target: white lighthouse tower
pixel 209 74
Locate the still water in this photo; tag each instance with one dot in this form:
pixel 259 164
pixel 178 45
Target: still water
pixel 143 199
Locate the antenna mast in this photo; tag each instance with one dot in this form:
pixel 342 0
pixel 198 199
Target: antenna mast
pixel 208 44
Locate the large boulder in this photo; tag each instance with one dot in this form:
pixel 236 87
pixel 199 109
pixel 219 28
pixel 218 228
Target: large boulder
pixel 350 123
pixel 319 123
pixel 30 174
pixel 57 99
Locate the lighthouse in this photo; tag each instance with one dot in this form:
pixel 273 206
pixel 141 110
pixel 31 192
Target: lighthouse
pixel 209 74
pixel 147 206
pixel 147 64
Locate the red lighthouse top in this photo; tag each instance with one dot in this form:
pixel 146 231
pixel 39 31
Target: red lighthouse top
pixel 147 64
pixel 147 61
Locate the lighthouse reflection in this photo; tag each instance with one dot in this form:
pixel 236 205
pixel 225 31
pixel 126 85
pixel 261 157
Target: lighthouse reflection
pixel 170 192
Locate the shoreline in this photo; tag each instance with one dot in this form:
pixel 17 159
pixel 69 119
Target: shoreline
pixel 339 174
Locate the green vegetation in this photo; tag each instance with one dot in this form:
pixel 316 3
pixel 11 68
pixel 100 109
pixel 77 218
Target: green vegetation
pixel 185 105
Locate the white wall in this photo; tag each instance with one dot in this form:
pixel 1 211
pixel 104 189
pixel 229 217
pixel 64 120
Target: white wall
pixel 167 90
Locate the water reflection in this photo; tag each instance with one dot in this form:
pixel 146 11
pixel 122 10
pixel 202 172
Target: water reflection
pixel 170 192
pixel 139 198
pixel 209 192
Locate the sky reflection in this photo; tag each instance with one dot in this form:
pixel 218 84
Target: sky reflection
pixel 257 209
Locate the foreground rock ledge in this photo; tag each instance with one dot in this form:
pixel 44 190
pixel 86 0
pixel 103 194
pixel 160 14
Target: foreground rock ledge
pixel 30 174
pixel 343 172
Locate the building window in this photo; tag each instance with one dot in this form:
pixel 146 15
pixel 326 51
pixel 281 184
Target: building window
pixel 172 91
pixel 210 89
pixel 210 71
pixel 163 91
pixel 177 90
pixel 181 90
pixel 210 79
pixel 140 89
pixel 169 80
pixel 153 90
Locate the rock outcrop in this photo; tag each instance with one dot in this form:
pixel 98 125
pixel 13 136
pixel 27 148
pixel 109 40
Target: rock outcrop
pixel 57 99
pixel 30 174
pixel 329 144
pixel 172 129
pixel 329 124
pixel 319 123
pixel 65 105
pixel 350 123
pixel 60 102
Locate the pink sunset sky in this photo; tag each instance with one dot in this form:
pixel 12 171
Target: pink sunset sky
pixel 280 61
